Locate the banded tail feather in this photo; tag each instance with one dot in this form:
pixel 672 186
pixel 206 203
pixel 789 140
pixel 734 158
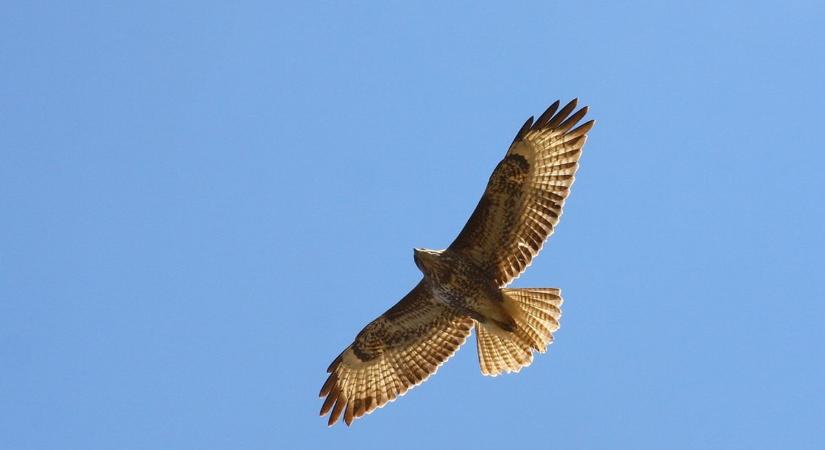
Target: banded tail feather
pixel 537 312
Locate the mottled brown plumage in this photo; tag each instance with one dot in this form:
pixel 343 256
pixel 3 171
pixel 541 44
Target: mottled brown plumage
pixel 464 286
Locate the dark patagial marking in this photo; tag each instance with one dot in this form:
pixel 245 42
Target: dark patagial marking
pixel 369 343
pixel 509 175
pixel 363 355
pixel 513 166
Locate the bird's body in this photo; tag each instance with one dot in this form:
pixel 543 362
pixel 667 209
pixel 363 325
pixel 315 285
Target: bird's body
pixel 461 286
pixel 464 285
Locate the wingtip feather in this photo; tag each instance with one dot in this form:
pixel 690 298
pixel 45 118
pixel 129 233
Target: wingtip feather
pixel 547 114
pixel 334 364
pixel 336 411
pixel 328 403
pixel 561 115
pixel 581 129
pixel 328 385
pixel 571 121
pixel 348 414
pixel 524 129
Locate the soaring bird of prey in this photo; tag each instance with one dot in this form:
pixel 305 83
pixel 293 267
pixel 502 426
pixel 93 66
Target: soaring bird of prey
pixel 465 285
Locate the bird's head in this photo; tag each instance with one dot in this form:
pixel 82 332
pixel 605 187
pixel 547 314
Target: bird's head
pixel 425 259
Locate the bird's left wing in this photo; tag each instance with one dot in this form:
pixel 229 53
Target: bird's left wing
pixel 525 195
pixel 395 352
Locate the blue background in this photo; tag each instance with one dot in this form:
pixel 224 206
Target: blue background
pixel 203 203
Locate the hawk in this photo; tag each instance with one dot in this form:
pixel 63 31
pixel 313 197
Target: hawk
pixel 464 286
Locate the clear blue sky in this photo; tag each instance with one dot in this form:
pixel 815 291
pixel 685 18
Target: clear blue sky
pixel 203 203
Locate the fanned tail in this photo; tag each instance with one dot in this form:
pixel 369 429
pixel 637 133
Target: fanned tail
pixel 536 312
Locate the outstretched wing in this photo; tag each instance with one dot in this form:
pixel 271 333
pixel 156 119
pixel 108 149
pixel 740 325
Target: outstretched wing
pixel 525 195
pixel 397 351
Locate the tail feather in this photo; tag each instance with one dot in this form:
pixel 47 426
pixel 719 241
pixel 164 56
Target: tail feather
pixel 536 312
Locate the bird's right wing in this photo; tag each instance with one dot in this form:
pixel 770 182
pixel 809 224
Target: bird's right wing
pixel 395 352
pixel 525 195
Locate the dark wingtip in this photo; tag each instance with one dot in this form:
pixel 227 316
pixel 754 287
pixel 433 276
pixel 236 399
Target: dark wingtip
pixel 561 115
pixel 572 120
pixel 547 114
pixel 524 129
pixel 336 411
pixel 348 414
pixel 328 403
pixel 328 385
pixel 334 364
pixel 582 129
